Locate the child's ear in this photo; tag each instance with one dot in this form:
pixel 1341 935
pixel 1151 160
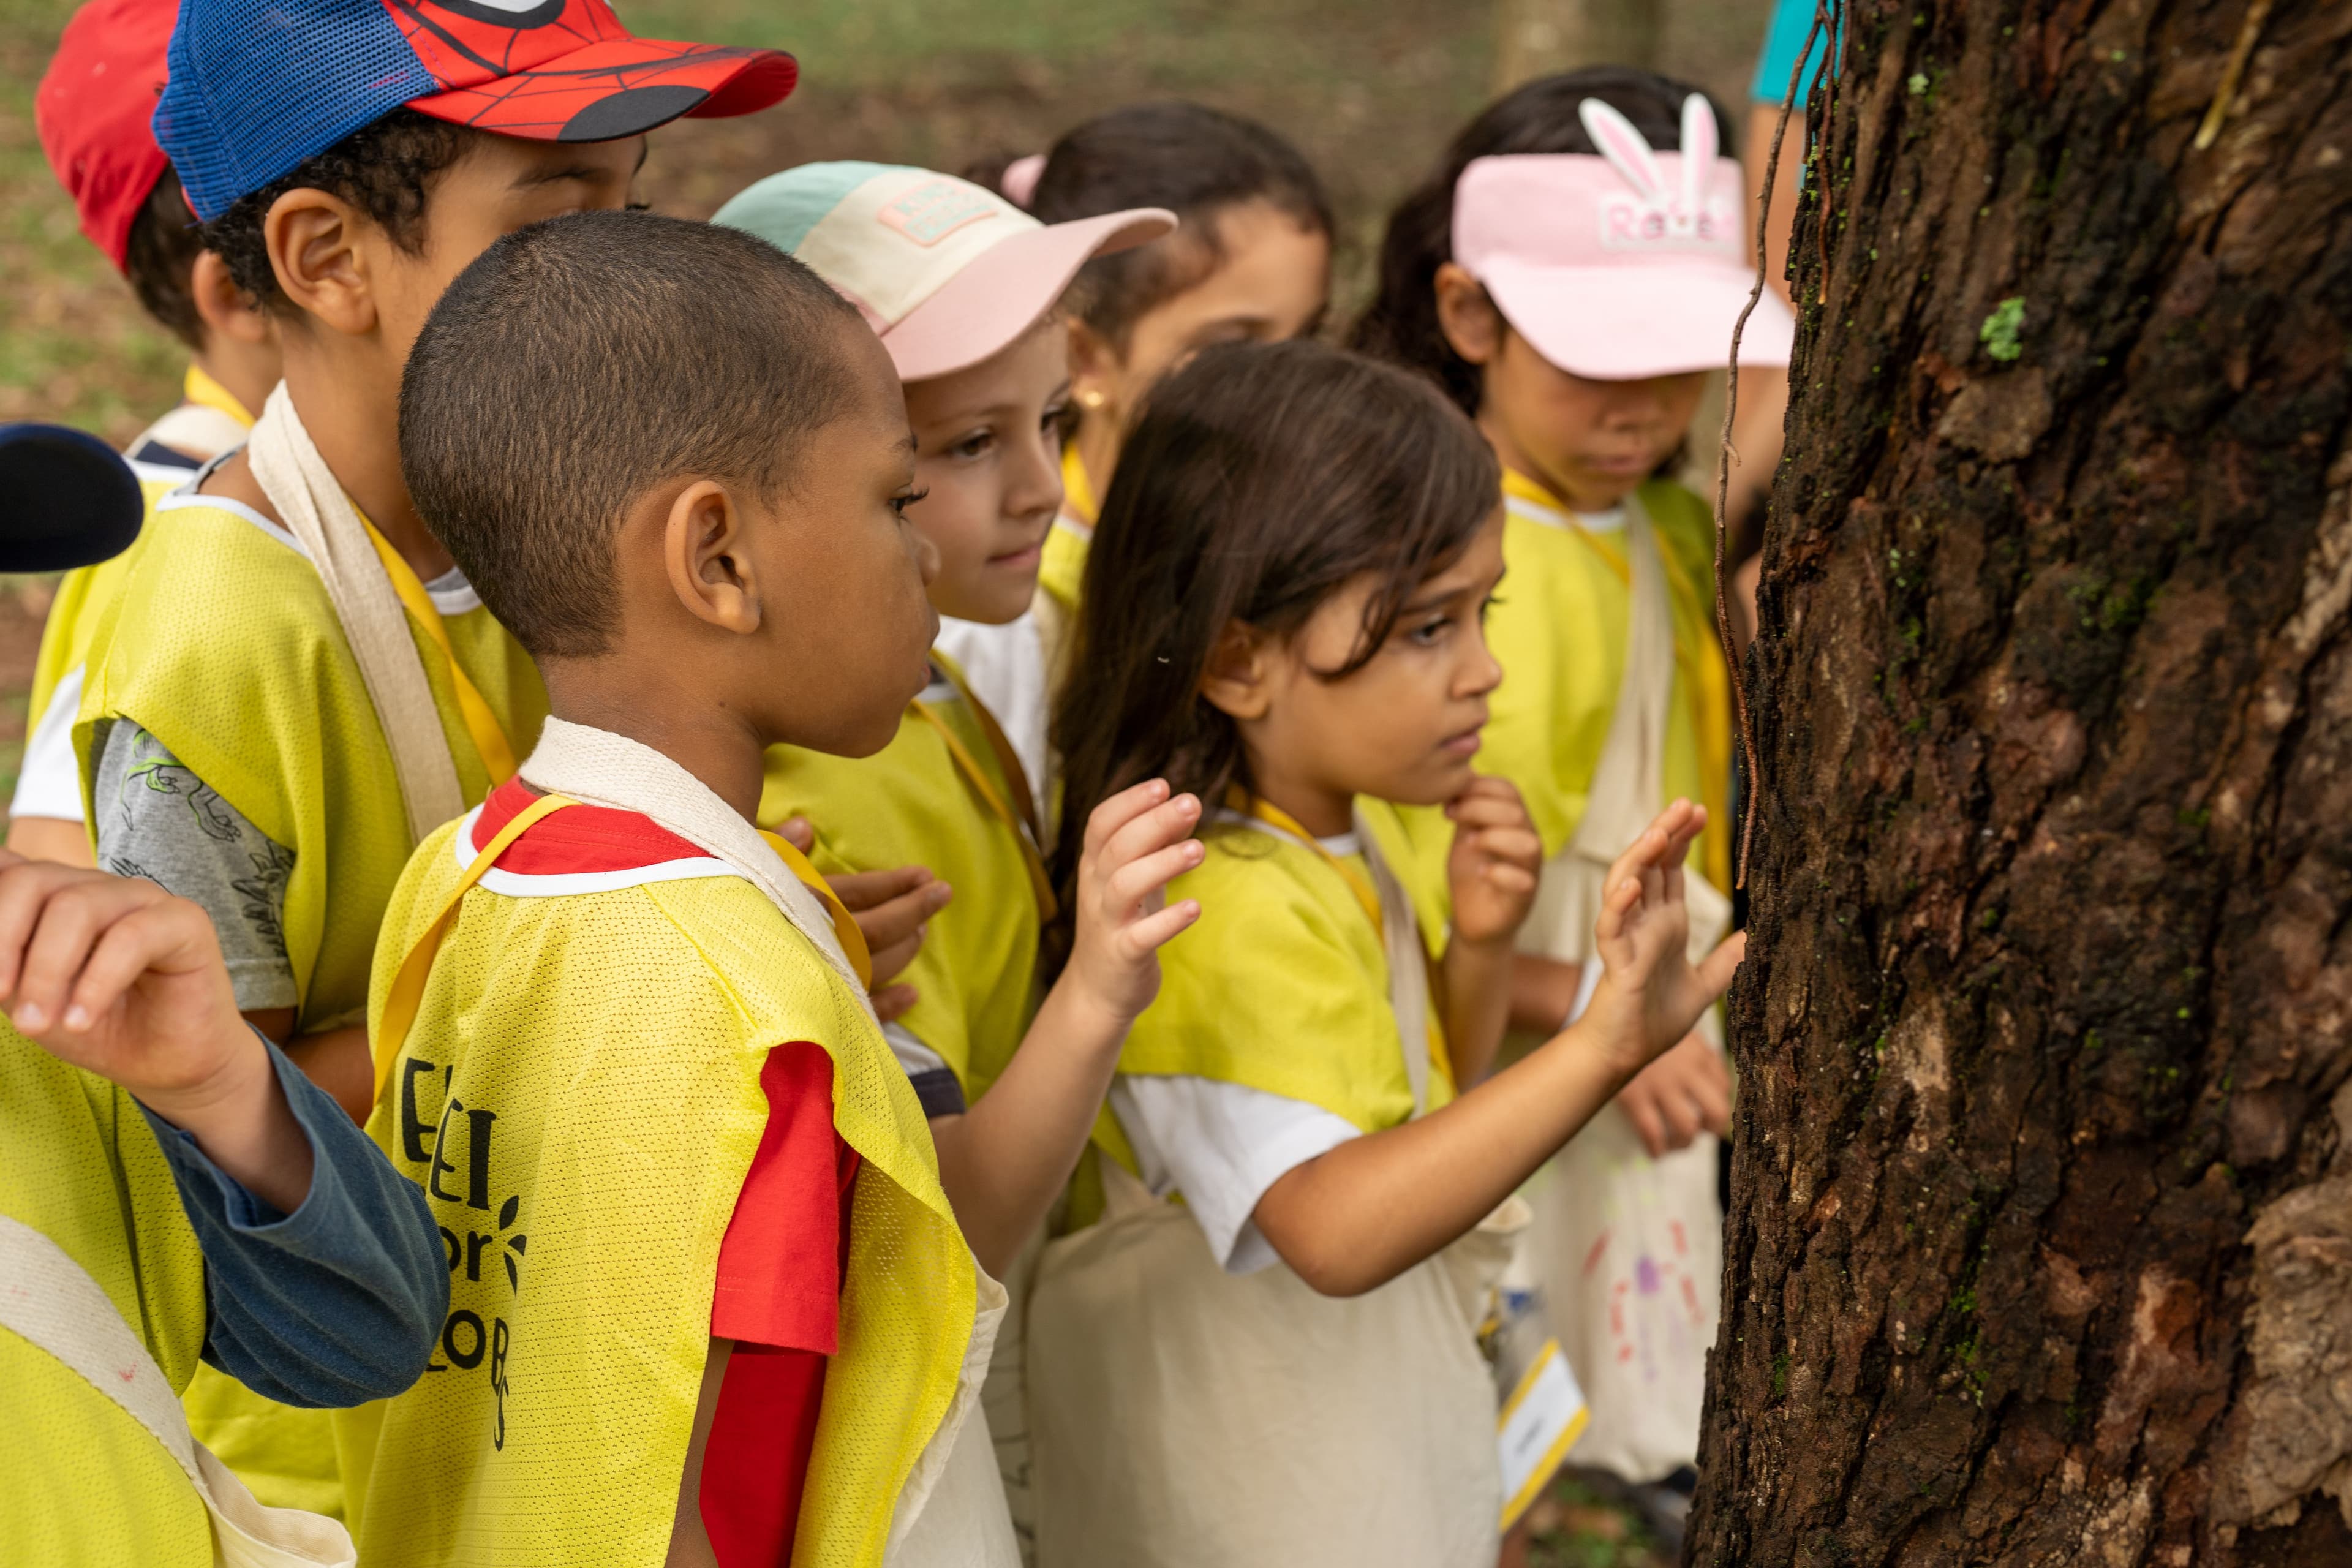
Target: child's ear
pixel 1094 367
pixel 1467 314
pixel 223 307
pixel 313 237
pixel 708 565
pixel 1235 683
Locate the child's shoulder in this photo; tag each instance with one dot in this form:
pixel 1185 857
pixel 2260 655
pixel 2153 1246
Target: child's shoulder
pixel 604 888
pixel 1266 900
pixel 219 575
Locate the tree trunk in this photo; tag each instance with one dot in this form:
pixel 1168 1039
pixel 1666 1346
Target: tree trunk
pixel 2041 1249
pixel 1537 37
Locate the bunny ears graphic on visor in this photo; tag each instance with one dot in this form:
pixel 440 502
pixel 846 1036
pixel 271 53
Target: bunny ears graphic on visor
pixel 1624 266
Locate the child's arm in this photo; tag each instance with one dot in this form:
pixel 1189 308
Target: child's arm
pixel 115 976
pixel 1542 992
pixel 1496 858
pixel 1357 1217
pixel 689 1539
pixel 1003 1160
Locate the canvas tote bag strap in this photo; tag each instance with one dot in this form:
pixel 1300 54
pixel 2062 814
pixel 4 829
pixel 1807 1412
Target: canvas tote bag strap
pixel 1628 784
pixel 286 464
pixel 53 1303
pixel 1627 781
pixel 1409 971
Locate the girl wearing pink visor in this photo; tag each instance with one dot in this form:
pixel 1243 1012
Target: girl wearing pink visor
pixel 962 288
pixel 1570 274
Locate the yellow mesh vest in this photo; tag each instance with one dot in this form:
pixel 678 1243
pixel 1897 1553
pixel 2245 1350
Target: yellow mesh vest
pixel 223 644
pixel 580 1095
pixel 1062 567
pixel 1281 929
pixel 909 805
pixel 86 1483
pixel 82 596
pixel 220 639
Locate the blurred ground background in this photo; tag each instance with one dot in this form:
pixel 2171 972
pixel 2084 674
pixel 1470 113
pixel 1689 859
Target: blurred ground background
pixel 1368 89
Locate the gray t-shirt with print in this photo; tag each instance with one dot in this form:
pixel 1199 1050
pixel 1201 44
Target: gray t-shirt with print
pixel 156 819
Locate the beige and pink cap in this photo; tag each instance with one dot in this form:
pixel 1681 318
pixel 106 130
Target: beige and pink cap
pixel 1623 266
pixel 947 272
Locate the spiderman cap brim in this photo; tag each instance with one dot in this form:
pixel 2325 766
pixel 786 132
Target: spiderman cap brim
pixel 619 87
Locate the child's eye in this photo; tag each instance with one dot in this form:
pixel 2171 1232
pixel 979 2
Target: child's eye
pixel 1429 632
pixel 900 503
pixel 1057 419
pixel 1486 607
pixel 975 444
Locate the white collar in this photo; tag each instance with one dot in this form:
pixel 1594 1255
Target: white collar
pixel 597 767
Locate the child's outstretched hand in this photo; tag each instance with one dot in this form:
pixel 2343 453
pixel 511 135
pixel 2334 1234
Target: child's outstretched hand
pixel 1137 842
pixel 1496 857
pixel 1650 993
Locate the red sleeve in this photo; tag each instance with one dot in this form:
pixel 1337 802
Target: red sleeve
pixel 780 1265
pixel 779 1298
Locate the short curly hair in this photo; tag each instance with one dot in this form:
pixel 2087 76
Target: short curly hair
pixel 386 168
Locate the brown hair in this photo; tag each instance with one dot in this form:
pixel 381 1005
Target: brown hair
pixel 1260 479
pixel 1400 324
pixel 1198 162
pixel 578 362
pixel 160 260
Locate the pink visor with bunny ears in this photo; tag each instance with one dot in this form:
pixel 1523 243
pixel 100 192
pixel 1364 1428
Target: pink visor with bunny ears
pixel 1625 266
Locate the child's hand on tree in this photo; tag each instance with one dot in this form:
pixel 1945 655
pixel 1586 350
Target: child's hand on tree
pixel 1137 842
pixel 1650 993
pixel 1494 862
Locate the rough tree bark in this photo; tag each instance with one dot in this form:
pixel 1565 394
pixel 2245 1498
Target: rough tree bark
pixel 2041 1248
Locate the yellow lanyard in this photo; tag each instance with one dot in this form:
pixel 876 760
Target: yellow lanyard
pixel 845 927
pixel 1078 490
pixel 1022 822
pixel 407 991
pixel 1358 883
pixel 490 741
pixel 199 387
pixel 400 1003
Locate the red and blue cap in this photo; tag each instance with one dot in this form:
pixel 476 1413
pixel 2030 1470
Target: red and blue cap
pixel 258 85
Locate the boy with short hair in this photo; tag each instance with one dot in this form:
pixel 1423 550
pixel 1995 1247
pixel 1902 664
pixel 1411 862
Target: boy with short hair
pixel 625 1048
pixel 92 110
pixel 294 686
